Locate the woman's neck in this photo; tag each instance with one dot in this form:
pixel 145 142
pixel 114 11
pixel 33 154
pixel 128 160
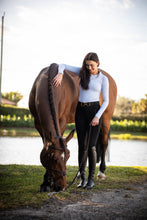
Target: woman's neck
pixel 95 73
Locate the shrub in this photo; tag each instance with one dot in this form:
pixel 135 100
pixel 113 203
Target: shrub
pixel 129 125
pixel 20 117
pixel 132 117
pixel 16 121
pixel 13 110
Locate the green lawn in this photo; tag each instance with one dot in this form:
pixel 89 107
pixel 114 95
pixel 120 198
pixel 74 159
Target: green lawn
pixel 20 184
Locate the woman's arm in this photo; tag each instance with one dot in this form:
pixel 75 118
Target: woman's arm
pixel 73 69
pixel 105 93
pixel 58 78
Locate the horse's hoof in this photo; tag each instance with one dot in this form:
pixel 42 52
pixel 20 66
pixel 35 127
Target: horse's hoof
pixel 101 176
pixel 47 189
pixel 44 188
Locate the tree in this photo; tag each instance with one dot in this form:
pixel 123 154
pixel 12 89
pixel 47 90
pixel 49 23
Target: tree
pixel 140 107
pixel 12 96
pixel 135 108
pixel 123 106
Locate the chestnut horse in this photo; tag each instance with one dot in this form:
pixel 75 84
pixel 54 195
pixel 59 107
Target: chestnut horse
pixel 54 107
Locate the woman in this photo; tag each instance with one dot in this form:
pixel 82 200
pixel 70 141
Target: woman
pixel 88 112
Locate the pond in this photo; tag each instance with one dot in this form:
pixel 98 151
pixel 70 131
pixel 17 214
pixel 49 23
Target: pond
pixel 26 150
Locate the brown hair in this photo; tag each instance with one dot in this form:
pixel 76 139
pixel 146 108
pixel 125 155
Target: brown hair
pixel 84 73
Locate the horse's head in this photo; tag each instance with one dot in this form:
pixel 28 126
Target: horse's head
pixel 54 157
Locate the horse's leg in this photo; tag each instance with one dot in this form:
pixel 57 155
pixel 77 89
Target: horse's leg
pixel 104 145
pixel 47 182
pixel 46 185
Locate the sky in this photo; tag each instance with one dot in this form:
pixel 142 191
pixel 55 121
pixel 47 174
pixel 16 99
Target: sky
pixel 40 32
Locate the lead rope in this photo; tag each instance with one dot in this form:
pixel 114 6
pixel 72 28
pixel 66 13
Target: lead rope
pixel 85 154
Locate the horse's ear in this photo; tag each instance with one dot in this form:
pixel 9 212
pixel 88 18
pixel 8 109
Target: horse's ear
pixel 70 136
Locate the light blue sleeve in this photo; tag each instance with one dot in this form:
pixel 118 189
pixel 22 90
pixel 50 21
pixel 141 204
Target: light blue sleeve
pixel 73 69
pixel 105 93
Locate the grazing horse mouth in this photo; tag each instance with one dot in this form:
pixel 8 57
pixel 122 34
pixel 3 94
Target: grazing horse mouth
pixel 63 173
pixel 58 188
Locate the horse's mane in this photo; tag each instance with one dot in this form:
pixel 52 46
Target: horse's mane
pixel 52 72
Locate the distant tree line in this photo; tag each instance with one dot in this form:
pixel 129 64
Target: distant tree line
pixel 141 106
pixel 126 106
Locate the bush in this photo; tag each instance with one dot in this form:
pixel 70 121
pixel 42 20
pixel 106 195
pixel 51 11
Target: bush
pixel 16 121
pixel 20 117
pixel 129 125
pixel 132 117
pixel 13 110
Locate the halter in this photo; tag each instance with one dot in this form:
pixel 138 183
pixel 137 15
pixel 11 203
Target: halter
pixel 63 173
pixel 57 148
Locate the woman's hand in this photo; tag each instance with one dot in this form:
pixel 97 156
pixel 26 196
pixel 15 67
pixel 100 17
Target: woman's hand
pixel 95 121
pixel 57 80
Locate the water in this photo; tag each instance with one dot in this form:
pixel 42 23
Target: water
pixel 26 150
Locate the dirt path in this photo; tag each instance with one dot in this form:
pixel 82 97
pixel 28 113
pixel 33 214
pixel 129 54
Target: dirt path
pixel 111 204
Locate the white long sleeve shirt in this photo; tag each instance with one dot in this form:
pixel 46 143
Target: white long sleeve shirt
pixel 97 84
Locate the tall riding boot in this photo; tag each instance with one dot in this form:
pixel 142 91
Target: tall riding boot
pixel 92 165
pixel 82 168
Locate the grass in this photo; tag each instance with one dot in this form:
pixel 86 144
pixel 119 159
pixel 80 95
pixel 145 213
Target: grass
pixel 33 133
pixel 20 184
pixel 128 136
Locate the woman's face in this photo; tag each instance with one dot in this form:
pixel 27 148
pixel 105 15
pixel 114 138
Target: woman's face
pixel 92 66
